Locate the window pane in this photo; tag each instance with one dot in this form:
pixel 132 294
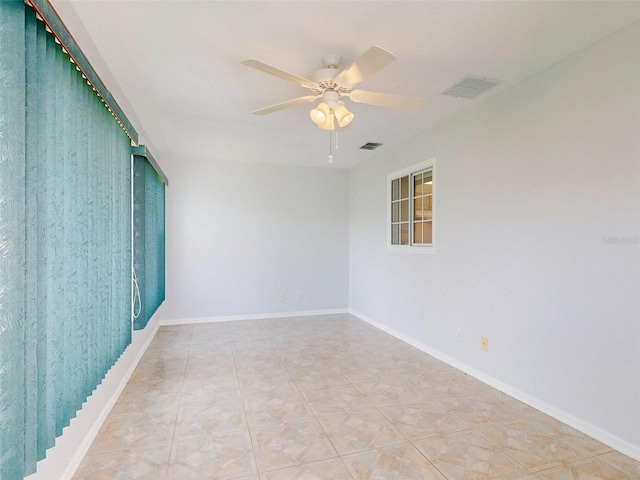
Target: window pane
pixel 395 212
pixel 427 209
pixel 395 189
pixel 417 185
pixel 427 233
pixel 417 232
pixel 404 210
pixel 417 208
pixel 427 183
pixel 404 189
pixel 395 234
pixel 404 234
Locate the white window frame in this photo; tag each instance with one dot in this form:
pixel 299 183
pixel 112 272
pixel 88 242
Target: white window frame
pixel 413 169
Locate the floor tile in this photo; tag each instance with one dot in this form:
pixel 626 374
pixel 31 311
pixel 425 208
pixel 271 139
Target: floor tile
pixel 271 372
pixel 570 436
pixel 391 463
pixel 265 364
pixel 178 472
pixel 411 368
pixel 448 382
pixel 266 384
pixel 317 379
pixel 529 444
pixel 137 464
pixel 388 392
pixel 210 364
pixel 477 409
pixel 365 372
pixel 467 456
pixel 250 341
pixel 424 419
pixel 340 357
pixel 288 444
pixel 304 361
pixel 210 418
pixel 589 469
pixel 358 431
pixel 626 464
pixel 175 353
pixel 327 469
pixel 258 352
pixel 277 407
pixel 210 390
pixel 140 398
pixel 158 373
pixel 343 398
pixel 224 456
pixel 511 403
pixel 222 380
pixel 136 430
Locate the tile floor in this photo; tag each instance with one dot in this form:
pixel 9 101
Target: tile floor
pixel 325 397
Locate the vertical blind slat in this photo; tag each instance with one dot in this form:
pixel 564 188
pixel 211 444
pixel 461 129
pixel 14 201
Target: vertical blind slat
pixel 33 199
pixel 12 236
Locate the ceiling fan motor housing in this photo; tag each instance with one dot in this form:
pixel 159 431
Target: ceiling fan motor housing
pixel 324 81
pixel 331 97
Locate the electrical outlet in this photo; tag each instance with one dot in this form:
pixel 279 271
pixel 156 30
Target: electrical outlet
pixel 459 334
pixel 484 344
pixel 283 297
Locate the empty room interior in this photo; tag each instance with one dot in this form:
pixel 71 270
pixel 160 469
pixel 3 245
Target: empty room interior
pixel 319 240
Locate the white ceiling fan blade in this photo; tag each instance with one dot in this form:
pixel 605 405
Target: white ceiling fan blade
pixel 387 100
pixel 288 103
pixel 367 64
pixel 263 67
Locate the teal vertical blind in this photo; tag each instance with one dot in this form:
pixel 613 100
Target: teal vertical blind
pixel 148 240
pixel 65 240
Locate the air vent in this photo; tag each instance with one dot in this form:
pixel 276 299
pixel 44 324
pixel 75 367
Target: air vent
pixel 370 146
pixel 471 86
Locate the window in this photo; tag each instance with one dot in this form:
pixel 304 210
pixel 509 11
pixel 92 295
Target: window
pixel 411 208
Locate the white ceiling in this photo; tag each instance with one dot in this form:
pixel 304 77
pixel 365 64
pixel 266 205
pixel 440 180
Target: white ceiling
pixel 174 66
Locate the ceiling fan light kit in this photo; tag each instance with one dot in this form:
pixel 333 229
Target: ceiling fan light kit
pixel 332 85
pixel 326 117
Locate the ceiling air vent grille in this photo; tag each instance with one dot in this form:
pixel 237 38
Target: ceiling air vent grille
pixel 370 146
pixel 471 86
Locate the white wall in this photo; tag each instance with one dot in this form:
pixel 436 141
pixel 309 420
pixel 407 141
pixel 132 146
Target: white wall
pixel 240 235
pixel 532 184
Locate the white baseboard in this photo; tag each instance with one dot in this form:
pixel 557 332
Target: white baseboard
pixel 259 316
pixel 579 424
pixel 65 457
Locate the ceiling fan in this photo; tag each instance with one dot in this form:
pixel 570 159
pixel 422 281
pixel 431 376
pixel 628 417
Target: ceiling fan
pixel 333 85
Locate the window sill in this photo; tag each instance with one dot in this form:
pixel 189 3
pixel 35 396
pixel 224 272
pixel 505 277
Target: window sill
pixel 412 249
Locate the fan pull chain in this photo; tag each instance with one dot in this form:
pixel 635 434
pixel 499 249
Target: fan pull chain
pixel 336 139
pixel 330 129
